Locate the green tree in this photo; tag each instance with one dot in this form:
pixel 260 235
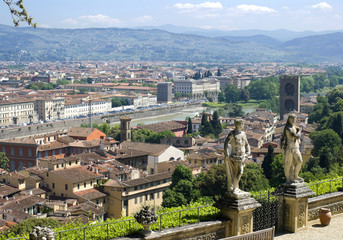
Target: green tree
pixel 19 13
pixel 115 132
pixel 278 176
pixel 116 102
pixel 190 126
pixel 213 183
pixel 62 82
pixel 244 95
pixel 105 128
pixel 267 161
pixel 221 97
pixel 231 93
pixel 181 172
pixel 4 161
pixel 181 190
pixel 253 178
pixel 177 95
pixel 272 104
pixel 215 122
pixel 219 73
pixel 335 123
pixel 263 89
pixel 325 141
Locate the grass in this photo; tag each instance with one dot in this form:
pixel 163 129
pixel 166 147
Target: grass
pixel 213 104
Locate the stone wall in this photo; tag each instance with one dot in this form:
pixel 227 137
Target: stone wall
pixel 200 231
pixel 334 201
pixel 66 124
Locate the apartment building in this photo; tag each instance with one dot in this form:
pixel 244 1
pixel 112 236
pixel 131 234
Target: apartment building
pixel 50 108
pixel 82 107
pixel 17 112
pixel 197 88
pixel 126 198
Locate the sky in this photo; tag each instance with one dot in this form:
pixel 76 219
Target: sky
pixel 294 15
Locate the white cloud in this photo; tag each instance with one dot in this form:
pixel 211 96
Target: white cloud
pixel 144 19
pixel 98 20
pixel 194 7
pixel 322 6
pixel 245 8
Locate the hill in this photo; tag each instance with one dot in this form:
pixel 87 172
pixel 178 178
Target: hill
pixel 29 44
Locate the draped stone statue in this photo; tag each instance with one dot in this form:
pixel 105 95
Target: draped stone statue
pixel 292 158
pixel 236 158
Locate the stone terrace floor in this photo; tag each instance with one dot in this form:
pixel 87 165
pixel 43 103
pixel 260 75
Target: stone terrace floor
pixel 315 231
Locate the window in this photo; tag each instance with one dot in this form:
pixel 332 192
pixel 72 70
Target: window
pixel 29 152
pixel 141 187
pixel 21 165
pixel 12 150
pixel 66 187
pixel 152 196
pixel 57 165
pixel 84 184
pixel 53 152
pixel 136 188
pixel 69 163
pixel 152 184
pixel 91 183
pixel 4 150
pixel 146 197
pixel 53 185
pixel 164 180
pixel 20 152
pixel 78 186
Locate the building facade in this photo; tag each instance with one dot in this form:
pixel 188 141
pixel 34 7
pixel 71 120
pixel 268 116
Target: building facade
pixel 197 88
pixel 164 92
pixel 50 109
pixel 13 112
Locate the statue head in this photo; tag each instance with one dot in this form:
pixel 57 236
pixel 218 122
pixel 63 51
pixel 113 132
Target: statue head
pixel 292 118
pixel 239 124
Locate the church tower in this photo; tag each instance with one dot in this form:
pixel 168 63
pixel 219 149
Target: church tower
pixel 125 129
pixel 289 94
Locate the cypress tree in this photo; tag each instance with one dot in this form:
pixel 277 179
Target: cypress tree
pixel 190 126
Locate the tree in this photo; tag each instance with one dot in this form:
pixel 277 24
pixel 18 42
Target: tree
pixel 116 102
pixel 205 127
pixel 335 122
pixel 221 97
pixel 181 190
pixel 325 141
pixel 4 161
pixel 215 122
pixel 231 93
pixel 244 95
pixel 190 126
pixel 263 89
pixel 19 13
pixel 213 183
pixel 267 161
pixel 177 95
pixel 181 172
pixel 219 73
pixel 253 178
pixel 278 175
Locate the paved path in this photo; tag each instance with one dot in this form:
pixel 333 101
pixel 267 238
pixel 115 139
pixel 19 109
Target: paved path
pixel 315 231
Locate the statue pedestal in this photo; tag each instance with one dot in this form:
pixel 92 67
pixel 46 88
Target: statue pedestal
pixel 293 211
pixel 238 208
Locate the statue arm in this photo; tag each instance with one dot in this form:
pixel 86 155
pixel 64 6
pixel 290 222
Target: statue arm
pixel 294 134
pixel 227 139
pixel 247 146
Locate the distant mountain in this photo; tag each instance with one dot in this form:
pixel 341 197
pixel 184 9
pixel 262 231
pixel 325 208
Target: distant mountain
pixel 280 34
pixel 258 39
pixel 29 44
pixel 125 44
pixel 321 47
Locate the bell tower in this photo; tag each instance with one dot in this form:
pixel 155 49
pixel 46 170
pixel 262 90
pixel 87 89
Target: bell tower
pixel 289 94
pixel 125 129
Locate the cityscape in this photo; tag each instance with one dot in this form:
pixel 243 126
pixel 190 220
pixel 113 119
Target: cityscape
pixel 136 127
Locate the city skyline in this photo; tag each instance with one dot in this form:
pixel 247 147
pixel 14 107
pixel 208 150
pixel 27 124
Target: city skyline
pixel 222 15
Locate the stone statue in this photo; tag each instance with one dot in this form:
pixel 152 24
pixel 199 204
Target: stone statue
pixel 235 160
pixel 292 158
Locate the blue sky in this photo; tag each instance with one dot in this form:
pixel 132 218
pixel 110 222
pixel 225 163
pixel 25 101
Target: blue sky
pixel 296 15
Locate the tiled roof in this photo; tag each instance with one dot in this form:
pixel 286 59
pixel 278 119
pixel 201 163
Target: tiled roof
pixel 139 181
pixel 163 126
pixel 90 194
pixel 76 174
pixel 6 190
pixel 80 132
pixel 154 149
